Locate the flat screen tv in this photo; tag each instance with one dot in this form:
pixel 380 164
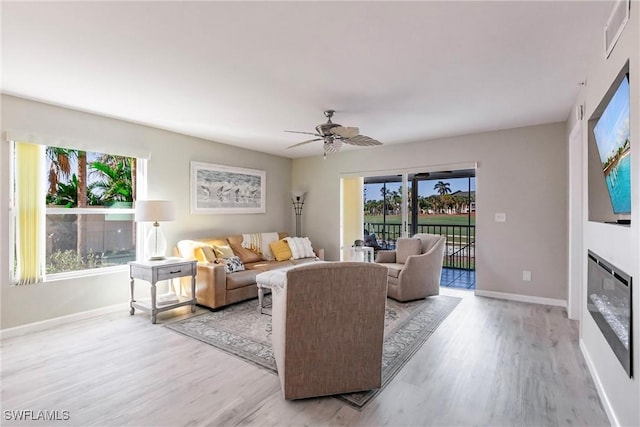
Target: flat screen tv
pixel 611 133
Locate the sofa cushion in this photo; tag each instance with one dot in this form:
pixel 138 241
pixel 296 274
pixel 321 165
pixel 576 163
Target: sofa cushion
pixel 280 250
pixel 246 256
pixel 267 265
pixel 205 254
pixel 259 243
pixel 223 251
pixel 187 248
pixel 405 247
pixel 241 279
pixel 303 261
pixel 232 264
pixel 300 247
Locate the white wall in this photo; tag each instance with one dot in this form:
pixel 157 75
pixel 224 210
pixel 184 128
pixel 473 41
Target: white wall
pixel 521 172
pixel 618 245
pixel 168 177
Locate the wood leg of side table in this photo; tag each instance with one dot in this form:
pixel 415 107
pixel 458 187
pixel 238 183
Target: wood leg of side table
pixel 193 293
pixel 132 310
pixel 154 309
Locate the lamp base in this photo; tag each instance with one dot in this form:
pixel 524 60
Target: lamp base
pixel 156 243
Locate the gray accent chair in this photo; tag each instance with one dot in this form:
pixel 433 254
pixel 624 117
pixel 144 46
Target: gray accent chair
pixel 415 266
pixel 328 327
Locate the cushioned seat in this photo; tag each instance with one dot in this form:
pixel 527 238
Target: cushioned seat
pixel 240 279
pixel 267 265
pixel 394 269
pixel 415 266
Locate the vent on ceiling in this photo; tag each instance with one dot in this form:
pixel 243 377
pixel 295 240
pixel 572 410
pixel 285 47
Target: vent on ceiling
pixel 616 22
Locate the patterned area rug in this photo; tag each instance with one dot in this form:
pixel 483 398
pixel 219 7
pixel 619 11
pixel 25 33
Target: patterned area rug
pixel 240 330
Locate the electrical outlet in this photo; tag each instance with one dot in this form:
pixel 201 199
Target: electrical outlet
pixel 526 275
pixel 500 217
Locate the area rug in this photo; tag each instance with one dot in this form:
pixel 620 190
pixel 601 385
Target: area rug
pixel 241 331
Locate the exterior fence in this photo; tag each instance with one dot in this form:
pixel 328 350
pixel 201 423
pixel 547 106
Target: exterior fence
pixel 460 243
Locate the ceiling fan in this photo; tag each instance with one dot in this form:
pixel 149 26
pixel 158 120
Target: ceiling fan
pixel 334 135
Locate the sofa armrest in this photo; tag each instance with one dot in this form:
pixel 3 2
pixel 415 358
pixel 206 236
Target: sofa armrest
pixel 211 284
pixel 320 254
pixel 386 256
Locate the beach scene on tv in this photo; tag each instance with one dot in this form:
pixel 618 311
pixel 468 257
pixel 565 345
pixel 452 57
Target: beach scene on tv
pixel 612 139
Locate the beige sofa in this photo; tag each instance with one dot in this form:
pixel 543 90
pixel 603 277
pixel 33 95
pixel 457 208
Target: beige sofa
pixel 328 327
pixel 214 286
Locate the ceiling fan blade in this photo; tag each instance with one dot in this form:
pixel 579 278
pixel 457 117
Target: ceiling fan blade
pixel 361 140
pixel 305 133
pixel 304 142
pixel 345 132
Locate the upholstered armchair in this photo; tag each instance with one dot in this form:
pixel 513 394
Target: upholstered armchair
pixel 415 266
pixel 327 328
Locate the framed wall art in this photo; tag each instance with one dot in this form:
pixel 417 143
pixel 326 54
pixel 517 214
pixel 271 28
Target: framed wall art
pixel 221 189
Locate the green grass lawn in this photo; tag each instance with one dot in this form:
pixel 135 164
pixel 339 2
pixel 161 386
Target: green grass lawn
pixel 425 219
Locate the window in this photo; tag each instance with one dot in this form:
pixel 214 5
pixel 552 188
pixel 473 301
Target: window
pixel 82 215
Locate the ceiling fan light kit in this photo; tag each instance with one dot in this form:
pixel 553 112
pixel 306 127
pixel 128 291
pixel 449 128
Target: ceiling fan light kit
pixel 334 135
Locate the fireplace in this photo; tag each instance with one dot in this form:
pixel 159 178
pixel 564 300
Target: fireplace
pixel 609 302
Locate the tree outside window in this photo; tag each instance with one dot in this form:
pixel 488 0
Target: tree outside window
pixel 89 216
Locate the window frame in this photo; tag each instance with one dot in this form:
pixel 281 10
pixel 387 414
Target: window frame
pixel 141 192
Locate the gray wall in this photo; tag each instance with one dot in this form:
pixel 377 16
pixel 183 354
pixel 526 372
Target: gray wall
pixel 521 172
pixel 168 178
pixel 617 244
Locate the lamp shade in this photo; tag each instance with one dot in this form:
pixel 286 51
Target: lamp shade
pixel 155 210
pixel 298 195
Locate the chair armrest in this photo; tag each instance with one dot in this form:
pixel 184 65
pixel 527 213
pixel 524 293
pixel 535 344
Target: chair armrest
pixel 417 264
pixel 386 256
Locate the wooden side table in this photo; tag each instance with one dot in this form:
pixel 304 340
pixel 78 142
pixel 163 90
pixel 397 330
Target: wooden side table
pixel 155 271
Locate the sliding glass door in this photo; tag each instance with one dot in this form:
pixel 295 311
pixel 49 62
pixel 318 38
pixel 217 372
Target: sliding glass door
pixel 436 202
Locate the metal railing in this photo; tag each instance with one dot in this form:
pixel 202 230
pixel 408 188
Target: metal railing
pixel 460 240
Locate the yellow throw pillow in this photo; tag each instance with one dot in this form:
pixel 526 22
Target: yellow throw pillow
pixel 280 250
pixel 205 254
pixel 223 251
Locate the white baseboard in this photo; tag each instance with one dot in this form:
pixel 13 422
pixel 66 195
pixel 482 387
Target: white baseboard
pixel 57 321
pixel 606 403
pixel 522 298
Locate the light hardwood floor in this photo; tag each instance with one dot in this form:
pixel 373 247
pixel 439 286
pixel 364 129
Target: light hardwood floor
pixel 491 362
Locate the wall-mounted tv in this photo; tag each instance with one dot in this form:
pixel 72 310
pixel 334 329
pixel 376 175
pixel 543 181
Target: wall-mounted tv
pixel 611 133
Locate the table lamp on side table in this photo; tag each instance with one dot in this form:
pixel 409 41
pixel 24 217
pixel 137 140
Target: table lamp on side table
pixel 155 211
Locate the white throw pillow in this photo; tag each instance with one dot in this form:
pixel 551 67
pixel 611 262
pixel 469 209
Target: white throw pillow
pixel 300 247
pixel 308 249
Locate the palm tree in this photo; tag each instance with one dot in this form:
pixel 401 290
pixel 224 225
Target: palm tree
pixel 115 181
pixel 82 202
pixel 60 167
pixel 442 188
pixel 385 195
pixel 66 194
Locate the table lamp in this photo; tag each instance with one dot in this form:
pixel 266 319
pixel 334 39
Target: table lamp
pixel 155 211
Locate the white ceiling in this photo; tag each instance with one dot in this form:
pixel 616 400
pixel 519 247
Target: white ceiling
pixel 242 72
